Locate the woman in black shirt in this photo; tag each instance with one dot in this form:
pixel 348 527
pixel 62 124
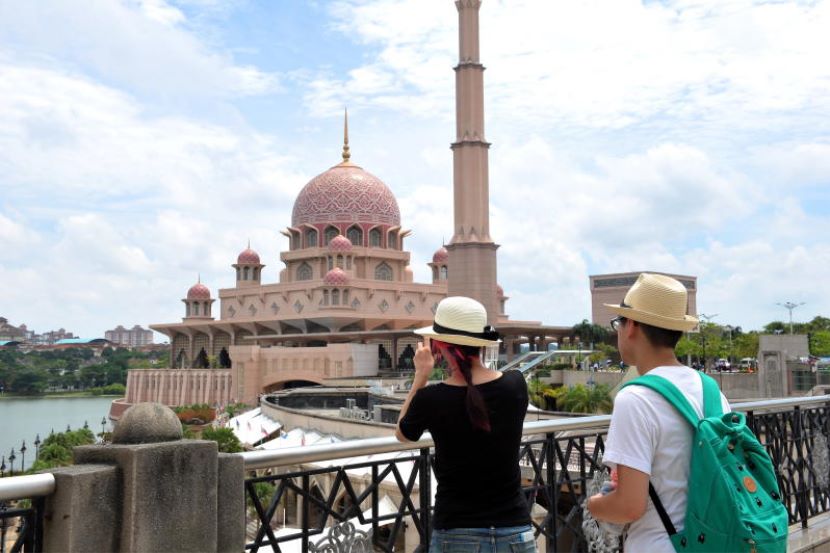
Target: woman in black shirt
pixel 475 417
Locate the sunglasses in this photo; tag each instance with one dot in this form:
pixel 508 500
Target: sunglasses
pixel 618 322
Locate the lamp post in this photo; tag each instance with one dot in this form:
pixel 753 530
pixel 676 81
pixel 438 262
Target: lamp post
pixel 37 445
pixel 23 456
pixel 707 318
pixel 729 329
pixel 12 457
pixel 789 306
pixel 3 467
pixel 103 427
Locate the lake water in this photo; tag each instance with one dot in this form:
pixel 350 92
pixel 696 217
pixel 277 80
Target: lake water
pixel 24 418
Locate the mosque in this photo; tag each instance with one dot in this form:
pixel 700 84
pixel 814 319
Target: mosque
pixel 345 303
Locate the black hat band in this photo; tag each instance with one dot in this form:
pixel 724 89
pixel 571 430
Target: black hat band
pixel 489 333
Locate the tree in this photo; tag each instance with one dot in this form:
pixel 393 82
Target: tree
pixel 820 343
pixel 587 399
pixel 227 440
pixel 589 333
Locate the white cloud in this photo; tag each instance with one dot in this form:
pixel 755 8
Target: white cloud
pixel 141 45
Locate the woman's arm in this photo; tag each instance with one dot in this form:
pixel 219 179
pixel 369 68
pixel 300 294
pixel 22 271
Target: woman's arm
pixel 424 363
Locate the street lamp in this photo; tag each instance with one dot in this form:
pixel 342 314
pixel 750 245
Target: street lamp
pixel 23 456
pixel 12 457
pixel 729 329
pixel 103 427
pixel 708 319
pixel 789 306
pixel 37 445
pixel 3 466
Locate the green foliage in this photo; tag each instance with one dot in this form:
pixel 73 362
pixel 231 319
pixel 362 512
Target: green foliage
pixel 264 492
pixel 590 333
pixel 820 343
pixel 187 433
pixel 586 399
pixel 536 392
pixel 235 408
pixel 110 390
pixel 227 440
pixel 40 371
pixel 56 449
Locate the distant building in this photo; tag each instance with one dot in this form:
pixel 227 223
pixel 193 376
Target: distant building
pixel 23 334
pixel 611 288
pixel 10 333
pixel 134 337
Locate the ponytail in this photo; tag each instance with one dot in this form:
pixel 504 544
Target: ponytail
pixel 461 358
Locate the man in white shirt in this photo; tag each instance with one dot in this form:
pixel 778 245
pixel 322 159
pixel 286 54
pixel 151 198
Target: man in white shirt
pixel 648 439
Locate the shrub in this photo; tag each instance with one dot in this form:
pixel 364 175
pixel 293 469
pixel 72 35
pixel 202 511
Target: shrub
pixel 224 437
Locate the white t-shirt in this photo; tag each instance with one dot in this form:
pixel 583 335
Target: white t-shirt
pixel 648 434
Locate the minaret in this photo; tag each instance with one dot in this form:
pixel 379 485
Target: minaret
pixel 472 253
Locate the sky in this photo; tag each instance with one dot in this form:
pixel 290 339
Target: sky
pixel 144 142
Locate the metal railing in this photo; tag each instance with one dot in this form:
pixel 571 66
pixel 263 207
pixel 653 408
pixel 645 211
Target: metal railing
pixel 557 457
pixel 385 485
pixel 22 501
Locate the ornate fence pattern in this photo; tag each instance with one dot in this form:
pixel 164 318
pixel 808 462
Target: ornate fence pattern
pixel 557 467
pixel 21 525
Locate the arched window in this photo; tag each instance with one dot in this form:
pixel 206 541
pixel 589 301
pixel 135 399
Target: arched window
pixel 311 238
pixel 238 273
pixel 245 273
pixel 304 272
pixel 295 240
pixel 335 297
pixel 392 243
pixel 256 273
pixel 331 232
pixel 195 309
pixel 331 262
pixel 206 309
pixel 434 274
pixel 325 297
pixel 443 272
pixel 186 309
pixel 383 272
pixel 340 260
pixel 345 297
pixel 374 238
pixel 348 262
pixel 355 235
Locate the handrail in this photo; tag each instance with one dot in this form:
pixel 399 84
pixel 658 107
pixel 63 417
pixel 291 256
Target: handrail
pixel 26 486
pixel 43 484
pixel 353 448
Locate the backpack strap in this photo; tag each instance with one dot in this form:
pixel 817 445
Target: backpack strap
pixel 664 516
pixel 712 406
pixel 672 394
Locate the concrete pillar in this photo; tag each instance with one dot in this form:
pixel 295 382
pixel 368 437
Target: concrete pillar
pixel 148 491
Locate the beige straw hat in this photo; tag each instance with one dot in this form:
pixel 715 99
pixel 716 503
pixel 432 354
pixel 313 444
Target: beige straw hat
pixel 463 321
pixel 656 300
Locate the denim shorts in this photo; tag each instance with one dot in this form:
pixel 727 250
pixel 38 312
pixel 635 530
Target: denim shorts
pixel 511 539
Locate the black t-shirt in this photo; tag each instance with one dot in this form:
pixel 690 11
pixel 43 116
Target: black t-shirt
pixel 479 482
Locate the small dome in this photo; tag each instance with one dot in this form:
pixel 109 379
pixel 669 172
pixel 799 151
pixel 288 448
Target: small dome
pixel 336 277
pixel 499 291
pixel 248 257
pixel 441 255
pixel 198 292
pixel 340 244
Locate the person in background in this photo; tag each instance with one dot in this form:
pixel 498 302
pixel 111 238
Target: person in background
pixel 475 417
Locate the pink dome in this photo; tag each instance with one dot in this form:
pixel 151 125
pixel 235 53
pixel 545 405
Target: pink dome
pixel 198 292
pixel 441 255
pixel 499 290
pixel 345 193
pixel 336 277
pixel 248 257
pixel 340 244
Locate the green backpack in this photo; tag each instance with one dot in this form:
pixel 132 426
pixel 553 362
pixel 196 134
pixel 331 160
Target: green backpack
pixel 734 502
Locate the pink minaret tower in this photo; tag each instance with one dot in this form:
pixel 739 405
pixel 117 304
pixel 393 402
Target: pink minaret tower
pixel 472 253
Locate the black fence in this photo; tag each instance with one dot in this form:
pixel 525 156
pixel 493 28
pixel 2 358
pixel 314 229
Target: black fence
pixel 21 525
pixel 292 510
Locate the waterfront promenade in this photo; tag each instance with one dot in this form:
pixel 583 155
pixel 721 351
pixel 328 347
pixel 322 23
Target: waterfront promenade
pixel 131 497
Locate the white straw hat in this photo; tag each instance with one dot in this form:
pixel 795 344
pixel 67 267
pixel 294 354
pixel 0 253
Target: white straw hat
pixel 656 300
pixel 463 321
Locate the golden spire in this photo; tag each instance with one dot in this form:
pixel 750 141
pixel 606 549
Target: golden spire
pixel 346 154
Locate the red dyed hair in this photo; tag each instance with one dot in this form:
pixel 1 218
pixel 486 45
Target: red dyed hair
pixel 461 358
